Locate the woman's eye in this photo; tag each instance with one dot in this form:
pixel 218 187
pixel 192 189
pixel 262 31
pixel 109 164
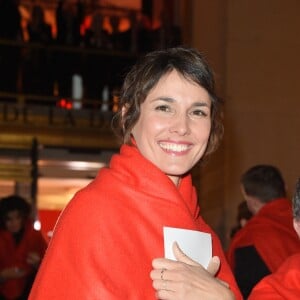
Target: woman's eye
pixel 163 108
pixel 199 113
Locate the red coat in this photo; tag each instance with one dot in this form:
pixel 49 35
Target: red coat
pixel 283 284
pixel 12 255
pixel 271 232
pixel 108 235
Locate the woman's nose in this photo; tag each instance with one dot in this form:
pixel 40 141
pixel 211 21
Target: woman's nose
pixel 180 125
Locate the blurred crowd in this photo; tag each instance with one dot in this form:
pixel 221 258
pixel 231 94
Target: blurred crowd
pixel 44 70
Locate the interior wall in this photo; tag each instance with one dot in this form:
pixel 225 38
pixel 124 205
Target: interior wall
pixel 262 91
pixel 254 49
pixel 205 24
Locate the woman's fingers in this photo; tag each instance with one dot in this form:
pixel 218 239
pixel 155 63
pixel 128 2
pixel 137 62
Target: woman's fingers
pixel 181 256
pixel 214 265
pixel 162 263
pixel 224 283
pixel 184 278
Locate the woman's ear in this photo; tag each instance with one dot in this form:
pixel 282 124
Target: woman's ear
pixel 297 226
pixel 124 110
pixel 123 113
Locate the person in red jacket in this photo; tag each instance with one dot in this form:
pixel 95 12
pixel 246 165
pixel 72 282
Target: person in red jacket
pixel 285 282
pixel 21 248
pixel 268 238
pixel 109 233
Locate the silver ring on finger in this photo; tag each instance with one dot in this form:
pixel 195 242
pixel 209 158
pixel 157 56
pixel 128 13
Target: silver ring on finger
pixel 162 273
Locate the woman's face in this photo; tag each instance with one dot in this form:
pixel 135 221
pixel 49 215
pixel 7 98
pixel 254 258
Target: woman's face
pixel 174 125
pixel 14 221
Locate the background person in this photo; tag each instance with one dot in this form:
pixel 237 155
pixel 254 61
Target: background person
pixel 284 283
pixel 268 238
pixel 243 216
pixel 168 119
pixel 21 248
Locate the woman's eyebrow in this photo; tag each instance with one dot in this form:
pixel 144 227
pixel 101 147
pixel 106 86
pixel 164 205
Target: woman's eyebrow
pixel 204 103
pixel 171 100
pixel 162 98
pixel 165 98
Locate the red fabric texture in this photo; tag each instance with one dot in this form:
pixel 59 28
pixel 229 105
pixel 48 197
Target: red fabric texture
pixel 283 284
pixel 106 238
pixel 48 219
pixel 271 232
pixel 12 255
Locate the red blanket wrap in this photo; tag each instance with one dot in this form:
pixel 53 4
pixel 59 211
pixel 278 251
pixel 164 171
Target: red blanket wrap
pixel 271 232
pixel 283 284
pixel 108 235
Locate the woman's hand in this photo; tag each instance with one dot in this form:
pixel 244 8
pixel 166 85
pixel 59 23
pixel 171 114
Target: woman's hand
pixel 11 273
pixel 185 279
pixel 33 259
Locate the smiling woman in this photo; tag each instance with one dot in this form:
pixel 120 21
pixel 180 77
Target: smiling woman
pixel 168 120
pixel 174 126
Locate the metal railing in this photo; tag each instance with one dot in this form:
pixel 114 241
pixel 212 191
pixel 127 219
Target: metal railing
pixel 46 71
